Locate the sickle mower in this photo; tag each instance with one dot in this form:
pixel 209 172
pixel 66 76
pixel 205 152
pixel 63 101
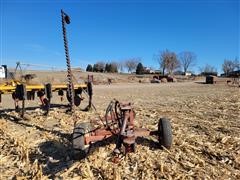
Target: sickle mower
pixel 118 122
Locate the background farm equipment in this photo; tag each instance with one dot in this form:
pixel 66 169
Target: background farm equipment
pixel 118 122
pixel 160 78
pixel 22 90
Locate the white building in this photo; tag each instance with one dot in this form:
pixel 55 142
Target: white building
pixel 188 74
pixel 2 72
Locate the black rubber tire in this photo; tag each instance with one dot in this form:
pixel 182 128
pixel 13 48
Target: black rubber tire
pixel 80 149
pixel 77 100
pixel 165 133
pixel 46 106
pixel 28 95
pixel 60 92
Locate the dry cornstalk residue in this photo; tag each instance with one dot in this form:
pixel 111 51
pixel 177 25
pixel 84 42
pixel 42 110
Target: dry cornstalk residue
pixel 206 129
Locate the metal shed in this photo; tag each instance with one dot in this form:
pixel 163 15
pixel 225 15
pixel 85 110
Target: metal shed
pixel 211 79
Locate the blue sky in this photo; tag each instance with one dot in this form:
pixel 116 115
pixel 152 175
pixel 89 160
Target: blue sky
pixel 116 30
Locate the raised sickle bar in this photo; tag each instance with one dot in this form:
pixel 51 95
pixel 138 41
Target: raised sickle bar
pixel 66 19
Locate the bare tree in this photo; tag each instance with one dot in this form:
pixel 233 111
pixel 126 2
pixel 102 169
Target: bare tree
pixel 228 66
pixel 99 66
pixel 113 67
pixel 237 64
pixel 208 70
pixel 172 62
pixel 161 59
pixel 120 65
pixel 131 64
pixel 187 60
pixel 167 61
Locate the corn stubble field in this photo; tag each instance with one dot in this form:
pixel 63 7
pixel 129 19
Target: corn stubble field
pixel 206 130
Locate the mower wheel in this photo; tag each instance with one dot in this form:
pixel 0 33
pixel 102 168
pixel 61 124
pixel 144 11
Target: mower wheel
pixel 80 149
pixel 165 133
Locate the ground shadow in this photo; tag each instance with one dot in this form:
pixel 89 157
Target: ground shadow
pixel 19 121
pixel 54 157
pixel 60 106
pixel 145 141
pixel 200 82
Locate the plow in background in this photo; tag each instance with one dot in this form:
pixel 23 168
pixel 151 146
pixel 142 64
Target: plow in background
pixel 23 90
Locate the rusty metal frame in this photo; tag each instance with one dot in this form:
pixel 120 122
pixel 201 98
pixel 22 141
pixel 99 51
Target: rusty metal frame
pixel 124 128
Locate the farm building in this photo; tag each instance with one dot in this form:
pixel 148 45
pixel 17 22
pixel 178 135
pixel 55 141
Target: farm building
pixel 211 79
